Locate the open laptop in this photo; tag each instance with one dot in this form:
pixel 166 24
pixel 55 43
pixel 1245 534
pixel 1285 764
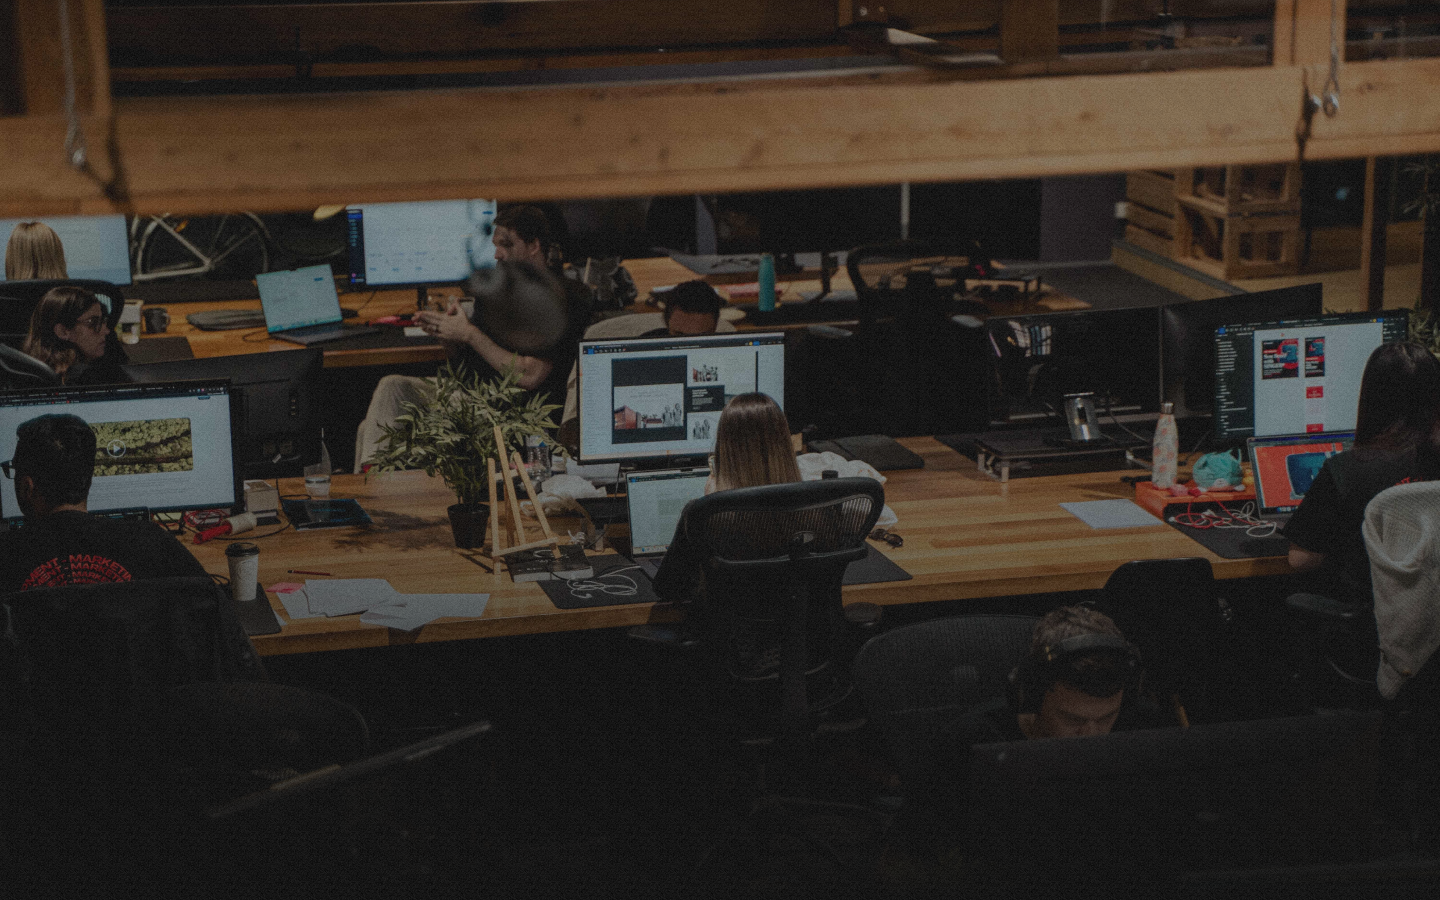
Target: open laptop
pixel 301 306
pixel 656 500
pixel 1286 465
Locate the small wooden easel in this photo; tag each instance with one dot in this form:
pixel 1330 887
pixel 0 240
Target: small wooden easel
pixel 498 550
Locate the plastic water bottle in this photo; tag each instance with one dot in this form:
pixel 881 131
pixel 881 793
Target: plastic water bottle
pixel 767 283
pixel 1165 448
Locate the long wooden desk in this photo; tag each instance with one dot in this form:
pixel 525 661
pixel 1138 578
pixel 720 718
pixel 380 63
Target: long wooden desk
pixel 966 536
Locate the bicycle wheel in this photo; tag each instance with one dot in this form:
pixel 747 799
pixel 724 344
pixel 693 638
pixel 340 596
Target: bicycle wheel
pixel 230 245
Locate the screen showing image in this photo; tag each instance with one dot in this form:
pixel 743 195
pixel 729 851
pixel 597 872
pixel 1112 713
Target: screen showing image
pixel 656 501
pixel 298 298
pixel 420 243
pixel 161 446
pixel 96 247
pixel 1296 377
pixel 646 398
pixel 1286 467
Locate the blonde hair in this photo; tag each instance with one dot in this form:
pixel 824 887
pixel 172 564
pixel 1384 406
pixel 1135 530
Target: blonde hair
pixel 34 252
pixel 752 445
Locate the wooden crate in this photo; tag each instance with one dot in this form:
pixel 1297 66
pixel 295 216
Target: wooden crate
pixel 1229 191
pixel 1255 246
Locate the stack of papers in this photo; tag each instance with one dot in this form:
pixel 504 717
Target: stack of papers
pixel 379 603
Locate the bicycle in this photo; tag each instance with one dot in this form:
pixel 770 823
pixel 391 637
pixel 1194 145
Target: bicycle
pixel 230 245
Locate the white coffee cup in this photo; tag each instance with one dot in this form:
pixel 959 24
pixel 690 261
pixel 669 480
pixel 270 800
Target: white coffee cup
pixel 244 560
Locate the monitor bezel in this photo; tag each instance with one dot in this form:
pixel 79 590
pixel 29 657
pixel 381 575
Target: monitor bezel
pixel 9 398
pixel 669 460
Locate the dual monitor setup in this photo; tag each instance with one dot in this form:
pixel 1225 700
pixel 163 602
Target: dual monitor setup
pixel 1260 364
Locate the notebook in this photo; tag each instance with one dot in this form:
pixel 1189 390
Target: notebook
pixel 302 306
pixel 656 500
pixel 1286 465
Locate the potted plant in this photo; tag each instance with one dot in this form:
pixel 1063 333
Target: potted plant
pixel 454 435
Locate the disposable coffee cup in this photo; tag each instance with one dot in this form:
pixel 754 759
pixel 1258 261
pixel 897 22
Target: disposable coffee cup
pixel 244 560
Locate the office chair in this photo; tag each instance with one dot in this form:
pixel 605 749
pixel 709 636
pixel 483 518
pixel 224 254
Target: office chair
pixel 1169 609
pixel 19 298
pixel 773 558
pixel 17 370
pixel 919 682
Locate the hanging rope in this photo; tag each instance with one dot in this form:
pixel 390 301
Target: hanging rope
pixel 76 153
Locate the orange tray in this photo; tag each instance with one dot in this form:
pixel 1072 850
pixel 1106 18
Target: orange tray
pixel 1155 500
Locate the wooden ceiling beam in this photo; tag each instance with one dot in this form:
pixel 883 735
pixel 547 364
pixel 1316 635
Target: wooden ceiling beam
pixel 197 154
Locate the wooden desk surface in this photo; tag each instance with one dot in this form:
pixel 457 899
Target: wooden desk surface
pixel 966 536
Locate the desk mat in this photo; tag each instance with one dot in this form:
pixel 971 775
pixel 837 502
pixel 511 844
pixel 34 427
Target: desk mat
pixel 874 568
pixel 1233 543
pixel 379 340
pixel 159 349
pixel 256 616
pixel 617 582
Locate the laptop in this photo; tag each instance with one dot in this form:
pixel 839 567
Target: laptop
pixel 1286 465
pixel 656 500
pixel 301 306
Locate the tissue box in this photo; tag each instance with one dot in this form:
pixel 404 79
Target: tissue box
pixel 261 497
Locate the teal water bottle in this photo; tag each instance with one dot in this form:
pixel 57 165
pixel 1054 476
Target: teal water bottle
pixel 767 283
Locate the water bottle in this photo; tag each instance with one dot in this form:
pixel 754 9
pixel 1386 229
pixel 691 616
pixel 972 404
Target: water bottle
pixel 1165 448
pixel 767 283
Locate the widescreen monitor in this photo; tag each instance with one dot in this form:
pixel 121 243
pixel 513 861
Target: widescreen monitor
pixel 1187 338
pixel 661 398
pixel 1299 376
pixel 158 446
pixel 415 244
pixel 277 430
pixel 1113 353
pixel 96 247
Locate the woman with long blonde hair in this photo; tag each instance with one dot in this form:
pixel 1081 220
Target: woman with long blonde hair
pixel 34 253
pixel 752 446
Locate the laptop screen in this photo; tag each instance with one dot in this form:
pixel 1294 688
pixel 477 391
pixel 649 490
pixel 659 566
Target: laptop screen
pixel 298 298
pixel 1286 466
pixel 656 500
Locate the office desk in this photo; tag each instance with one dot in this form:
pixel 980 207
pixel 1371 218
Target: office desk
pixel 966 536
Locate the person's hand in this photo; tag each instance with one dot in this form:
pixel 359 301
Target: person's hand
pixel 450 326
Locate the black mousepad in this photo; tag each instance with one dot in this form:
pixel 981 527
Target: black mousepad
pixel 1234 543
pixel 617 582
pixel 256 616
pixel 874 568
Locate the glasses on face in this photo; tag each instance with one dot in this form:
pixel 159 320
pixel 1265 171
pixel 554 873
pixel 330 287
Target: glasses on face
pixel 95 323
pixel 889 537
pixel 8 467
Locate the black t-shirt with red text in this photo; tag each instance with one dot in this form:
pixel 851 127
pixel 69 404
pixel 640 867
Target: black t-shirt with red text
pixel 72 547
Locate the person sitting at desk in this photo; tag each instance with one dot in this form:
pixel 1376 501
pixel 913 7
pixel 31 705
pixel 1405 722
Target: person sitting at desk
pixel 1398 410
pixel 60 543
pixel 34 253
pixel 68 332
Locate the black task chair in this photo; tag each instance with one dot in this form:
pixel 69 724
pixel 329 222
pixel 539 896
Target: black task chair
pixel 1170 611
pixel 773 559
pixel 919 683
pixel 19 298
pixel 18 370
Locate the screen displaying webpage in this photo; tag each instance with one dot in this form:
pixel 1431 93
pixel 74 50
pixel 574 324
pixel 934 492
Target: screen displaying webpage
pixel 420 243
pixel 1296 377
pixel 95 246
pixel 1286 467
pixel 298 298
pixel 662 397
pixel 157 446
pixel 656 501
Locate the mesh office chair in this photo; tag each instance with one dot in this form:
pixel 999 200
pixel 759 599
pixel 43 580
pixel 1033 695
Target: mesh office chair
pixel 773 558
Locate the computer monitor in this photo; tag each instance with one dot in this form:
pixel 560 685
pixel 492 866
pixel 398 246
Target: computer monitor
pixel 1299 376
pixel 660 398
pixel 159 446
pixel 1187 338
pixel 96 247
pixel 1113 353
pixel 277 405
pixel 421 243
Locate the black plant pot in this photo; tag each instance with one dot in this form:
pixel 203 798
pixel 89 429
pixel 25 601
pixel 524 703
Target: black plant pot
pixel 467 524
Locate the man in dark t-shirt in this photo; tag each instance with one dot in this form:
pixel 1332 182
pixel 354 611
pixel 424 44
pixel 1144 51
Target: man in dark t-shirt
pixel 59 542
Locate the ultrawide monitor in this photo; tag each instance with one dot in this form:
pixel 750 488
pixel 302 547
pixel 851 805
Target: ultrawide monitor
pixel 660 398
pixel 1187 338
pixel 277 405
pixel 415 244
pixel 96 247
pixel 159 446
pixel 1300 376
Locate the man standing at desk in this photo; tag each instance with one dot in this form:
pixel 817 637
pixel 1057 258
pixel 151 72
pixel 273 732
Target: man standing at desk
pixel 60 543
pixel 521 239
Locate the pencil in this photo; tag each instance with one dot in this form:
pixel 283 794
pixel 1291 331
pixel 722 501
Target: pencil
pixel 306 572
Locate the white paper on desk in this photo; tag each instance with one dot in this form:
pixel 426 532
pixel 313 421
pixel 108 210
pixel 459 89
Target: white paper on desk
pixel 343 596
pixel 1111 514
pixel 415 610
pixel 297 605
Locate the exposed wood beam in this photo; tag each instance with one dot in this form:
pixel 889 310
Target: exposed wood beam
pixel 1374 231
pixel 285 152
pixel 1029 30
pixel 1302 31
